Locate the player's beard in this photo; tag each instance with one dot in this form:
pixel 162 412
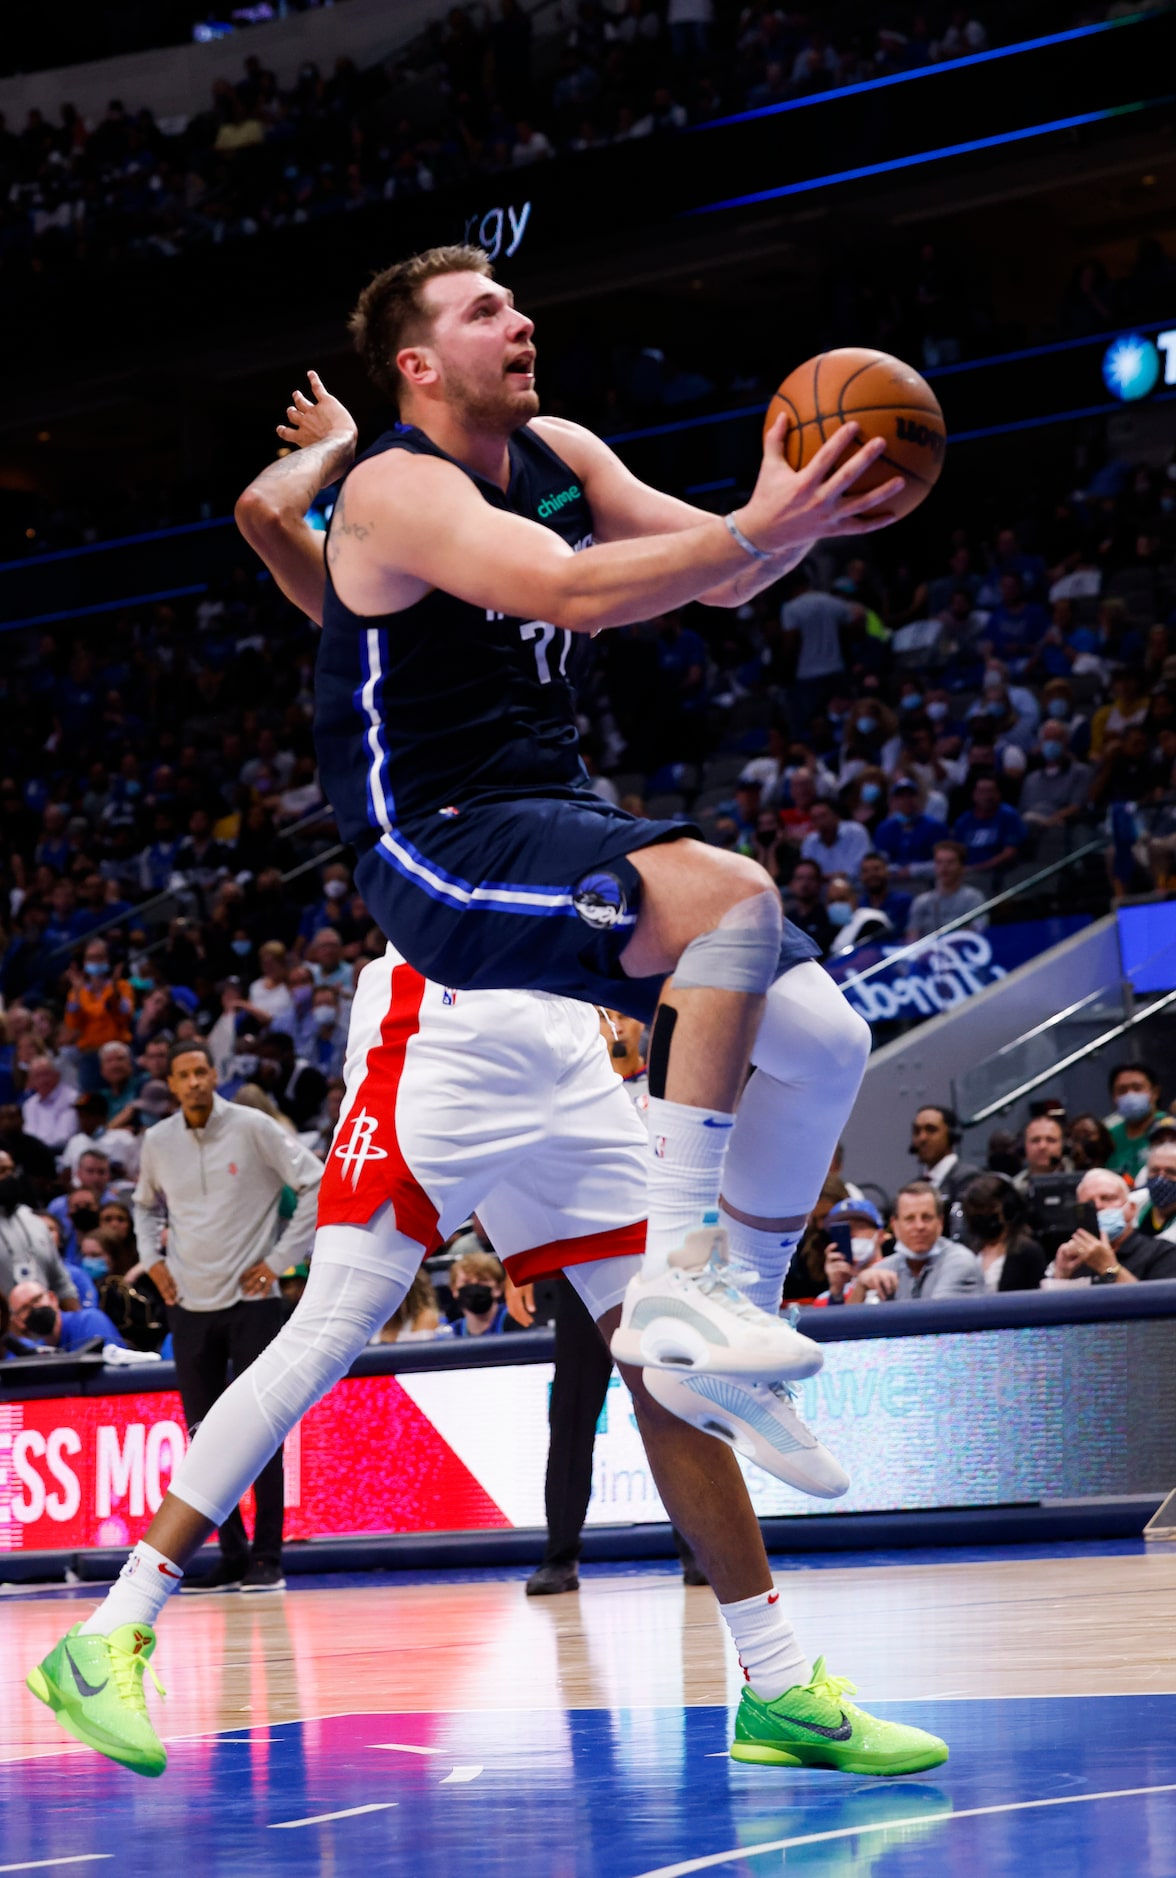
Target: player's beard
pixel 500 409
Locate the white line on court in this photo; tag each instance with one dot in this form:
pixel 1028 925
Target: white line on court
pixel 320 1819
pixel 403 1747
pixel 460 1775
pixel 890 1825
pixel 39 1864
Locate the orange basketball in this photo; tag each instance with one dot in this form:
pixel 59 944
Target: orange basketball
pixel 885 398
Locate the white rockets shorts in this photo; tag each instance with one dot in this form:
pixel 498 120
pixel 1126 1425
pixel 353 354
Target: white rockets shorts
pixel 499 1101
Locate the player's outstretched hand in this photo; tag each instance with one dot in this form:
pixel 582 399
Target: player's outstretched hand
pixel 790 508
pixel 317 418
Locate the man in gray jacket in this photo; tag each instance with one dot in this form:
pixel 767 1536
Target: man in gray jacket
pixel 924 1263
pixel 217 1175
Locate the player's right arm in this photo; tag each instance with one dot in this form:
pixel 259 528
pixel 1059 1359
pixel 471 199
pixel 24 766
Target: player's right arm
pixel 405 524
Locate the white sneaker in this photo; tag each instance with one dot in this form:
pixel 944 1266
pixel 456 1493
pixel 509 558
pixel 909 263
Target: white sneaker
pixel 760 1420
pixel 693 1316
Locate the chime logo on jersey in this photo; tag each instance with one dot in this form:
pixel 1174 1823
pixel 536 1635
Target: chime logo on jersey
pixel 356 1151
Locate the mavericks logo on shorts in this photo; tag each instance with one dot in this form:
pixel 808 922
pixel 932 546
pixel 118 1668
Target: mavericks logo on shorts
pixel 358 1148
pixel 600 901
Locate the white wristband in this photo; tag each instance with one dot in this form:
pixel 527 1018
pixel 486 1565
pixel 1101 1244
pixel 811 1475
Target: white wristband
pixel 749 547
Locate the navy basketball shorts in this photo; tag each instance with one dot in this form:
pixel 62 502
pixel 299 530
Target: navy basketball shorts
pixel 527 893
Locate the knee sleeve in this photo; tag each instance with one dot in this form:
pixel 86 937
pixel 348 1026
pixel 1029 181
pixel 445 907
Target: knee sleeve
pixel 810 1033
pixel 810 1055
pixel 342 1306
pixel 741 953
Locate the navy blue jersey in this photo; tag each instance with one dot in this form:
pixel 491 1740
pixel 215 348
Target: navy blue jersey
pixel 445 703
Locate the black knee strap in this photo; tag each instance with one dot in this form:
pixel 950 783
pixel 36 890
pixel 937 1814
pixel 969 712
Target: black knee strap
pixel 660 1039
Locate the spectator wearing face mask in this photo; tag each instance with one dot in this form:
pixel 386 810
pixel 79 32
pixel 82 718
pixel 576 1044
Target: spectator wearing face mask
pixel 907 837
pixel 1156 1204
pixel 1091 1143
pixel 38 1319
pixel 925 1264
pixel 477 1284
pixel 100 1008
pixel 1135 1092
pixel 269 995
pixel 327 1046
pixel 1056 793
pixel 333 909
pixel 28 1248
pixel 1118 1254
pixel 1011 1259
pixel 853 924
pixel 867 1231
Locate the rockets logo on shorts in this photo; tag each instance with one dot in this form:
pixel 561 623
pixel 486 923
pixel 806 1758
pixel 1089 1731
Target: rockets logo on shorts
pixel 357 1147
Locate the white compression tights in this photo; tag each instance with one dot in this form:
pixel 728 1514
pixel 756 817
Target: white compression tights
pixel 809 1056
pixel 358 1277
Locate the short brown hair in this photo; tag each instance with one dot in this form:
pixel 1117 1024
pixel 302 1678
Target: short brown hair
pixel 953 847
pixel 390 312
pixel 916 1189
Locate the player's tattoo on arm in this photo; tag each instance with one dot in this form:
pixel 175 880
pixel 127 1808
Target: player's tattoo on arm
pixel 341 524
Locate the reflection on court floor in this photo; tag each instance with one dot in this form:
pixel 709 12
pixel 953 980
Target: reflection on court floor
pixel 448 1728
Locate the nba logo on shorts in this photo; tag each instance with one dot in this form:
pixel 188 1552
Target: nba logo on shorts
pixel 659 1147
pixel 448 996
pixel 359 1149
pixel 599 899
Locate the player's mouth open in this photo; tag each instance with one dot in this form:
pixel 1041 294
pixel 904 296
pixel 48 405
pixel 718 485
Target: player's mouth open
pixel 522 367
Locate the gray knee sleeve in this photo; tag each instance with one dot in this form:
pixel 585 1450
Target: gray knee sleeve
pixel 741 953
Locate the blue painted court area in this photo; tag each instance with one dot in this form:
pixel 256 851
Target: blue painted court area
pixel 1058 1786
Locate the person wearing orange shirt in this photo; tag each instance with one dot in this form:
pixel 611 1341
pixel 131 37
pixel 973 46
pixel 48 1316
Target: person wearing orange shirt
pixel 100 1008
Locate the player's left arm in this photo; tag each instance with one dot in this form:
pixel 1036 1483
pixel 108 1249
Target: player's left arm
pixel 623 507
pixel 271 513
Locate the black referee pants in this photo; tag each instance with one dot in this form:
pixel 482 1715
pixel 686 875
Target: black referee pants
pixel 205 1344
pixel 582 1369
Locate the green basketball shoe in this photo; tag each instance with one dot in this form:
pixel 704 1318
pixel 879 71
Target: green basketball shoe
pixel 94 1685
pixel 815 1725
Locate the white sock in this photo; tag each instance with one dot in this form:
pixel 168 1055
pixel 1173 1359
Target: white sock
pixel 685 1172
pixel 769 1655
pixel 768 1254
pixel 138 1594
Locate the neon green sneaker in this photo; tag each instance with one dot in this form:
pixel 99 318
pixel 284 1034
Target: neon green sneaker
pixel 815 1725
pixel 94 1685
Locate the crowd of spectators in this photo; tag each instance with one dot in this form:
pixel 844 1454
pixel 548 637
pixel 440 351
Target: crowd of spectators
pixel 1066 1200
pixel 492 90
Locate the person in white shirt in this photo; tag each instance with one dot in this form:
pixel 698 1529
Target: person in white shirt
pixel 270 994
pixel 49 1110
pixel 837 847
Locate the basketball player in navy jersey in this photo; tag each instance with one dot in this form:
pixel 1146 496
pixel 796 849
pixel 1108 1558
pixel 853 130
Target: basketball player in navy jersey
pixel 503 1100
pixel 474 550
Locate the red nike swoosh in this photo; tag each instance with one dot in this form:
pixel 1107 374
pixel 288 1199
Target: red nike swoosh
pixel 773 1596
pixel 169 1573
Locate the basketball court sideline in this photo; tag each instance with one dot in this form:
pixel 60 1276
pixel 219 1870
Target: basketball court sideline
pixel 427 1723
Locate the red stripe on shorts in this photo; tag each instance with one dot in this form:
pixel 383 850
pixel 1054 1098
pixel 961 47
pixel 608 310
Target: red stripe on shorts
pixel 544 1261
pixel 366 1167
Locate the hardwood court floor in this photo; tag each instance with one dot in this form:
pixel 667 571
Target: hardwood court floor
pixel 439 1727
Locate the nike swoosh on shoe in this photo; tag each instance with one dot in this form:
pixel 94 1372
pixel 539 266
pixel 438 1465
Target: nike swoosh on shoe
pixel 844 1733
pixel 86 1688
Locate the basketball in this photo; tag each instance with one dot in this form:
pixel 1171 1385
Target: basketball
pixel 880 394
